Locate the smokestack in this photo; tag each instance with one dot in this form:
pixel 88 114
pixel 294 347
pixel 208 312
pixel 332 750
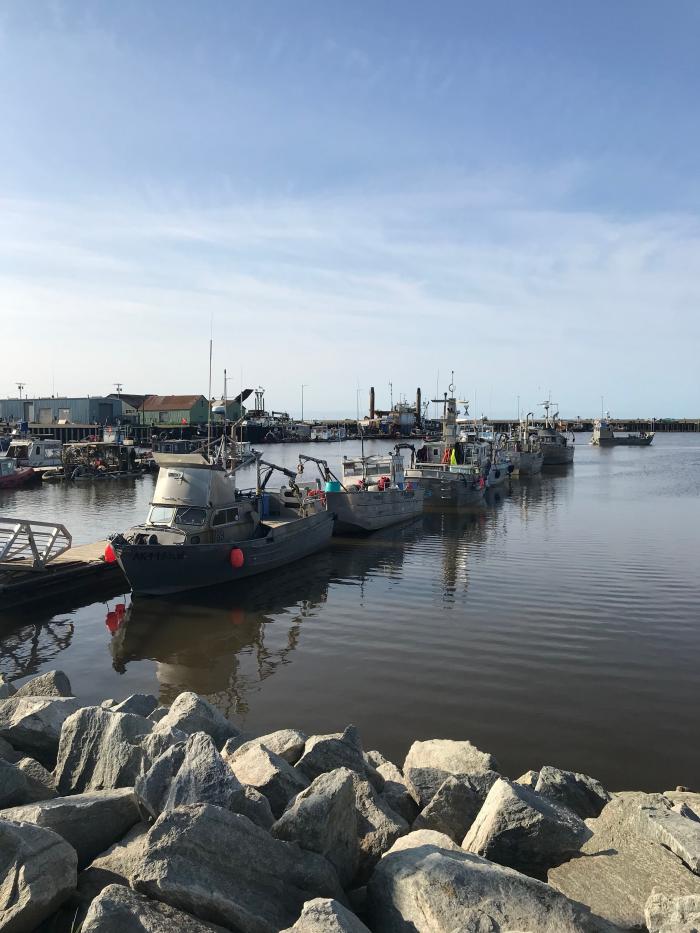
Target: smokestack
pixel 419 407
pixel 371 403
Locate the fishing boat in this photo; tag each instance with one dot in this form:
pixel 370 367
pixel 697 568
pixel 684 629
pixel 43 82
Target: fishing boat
pixel 39 453
pixel 372 494
pixel 531 456
pixel 13 476
pixel 449 470
pixel 499 458
pixel 604 436
pixel 557 449
pixel 203 531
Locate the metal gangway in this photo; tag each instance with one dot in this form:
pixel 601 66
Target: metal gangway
pixel 31 545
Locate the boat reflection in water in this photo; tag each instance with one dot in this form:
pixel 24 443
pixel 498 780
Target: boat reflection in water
pixel 223 644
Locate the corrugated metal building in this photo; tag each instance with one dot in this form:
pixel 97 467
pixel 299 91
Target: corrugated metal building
pixel 87 410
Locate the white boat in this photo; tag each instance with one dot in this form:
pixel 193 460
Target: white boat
pixel 604 436
pixel 39 453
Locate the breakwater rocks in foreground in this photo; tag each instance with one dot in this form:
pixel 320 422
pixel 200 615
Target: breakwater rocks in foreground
pixel 135 817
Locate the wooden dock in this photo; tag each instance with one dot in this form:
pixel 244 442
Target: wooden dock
pixel 69 574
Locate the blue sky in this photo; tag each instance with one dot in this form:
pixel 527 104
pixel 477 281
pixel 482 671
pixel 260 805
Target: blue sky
pixel 354 194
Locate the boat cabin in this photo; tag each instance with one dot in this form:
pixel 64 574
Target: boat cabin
pixel 8 466
pixel 99 458
pixel 370 470
pixel 35 452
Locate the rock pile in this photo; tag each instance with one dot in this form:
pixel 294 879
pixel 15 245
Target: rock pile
pixel 132 817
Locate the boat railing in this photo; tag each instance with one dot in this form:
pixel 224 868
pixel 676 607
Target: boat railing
pixel 34 544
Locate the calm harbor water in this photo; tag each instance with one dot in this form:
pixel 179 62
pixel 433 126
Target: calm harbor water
pixel 558 625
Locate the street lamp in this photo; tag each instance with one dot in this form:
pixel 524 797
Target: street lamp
pixel 303 386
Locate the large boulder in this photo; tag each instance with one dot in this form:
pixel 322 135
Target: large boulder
pixel 680 834
pixel 678 798
pixel 33 724
pixel 194 772
pixel 14 788
pixel 116 909
pixel 378 827
pixel 430 889
pixel 116 865
pixel 395 791
pixel 6 688
pixel 579 792
pixel 50 684
pixel 324 915
pixel 101 749
pixel 287 743
pixel 324 753
pixel 190 713
pixel 454 757
pixel 323 819
pixel 619 867
pixel 519 829
pixel 664 914
pixel 258 767
pixel 8 753
pixel 37 873
pixel 423 837
pixel 259 887
pixel 453 809
pixel 424 783
pixel 89 822
pixel 141 704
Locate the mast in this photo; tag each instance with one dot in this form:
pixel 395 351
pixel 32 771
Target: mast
pixel 209 398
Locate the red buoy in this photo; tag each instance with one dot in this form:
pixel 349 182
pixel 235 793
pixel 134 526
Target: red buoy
pixel 110 556
pixel 237 558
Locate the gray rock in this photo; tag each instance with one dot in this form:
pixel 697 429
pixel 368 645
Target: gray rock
pixel 190 713
pixel 378 827
pixel 50 684
pixel 160 712
pixel 429 890
pixel 37 873
pixel 424 783
pixel 452 810
pixel 376 759
pixel 423 837
pixel 324 915
pixel 664 914
pixel 40 782
pixel 118 910
pixel 88 822
pixel 449 755
pixel 14 789
pixel 579 792
pixel 8 753
pixel 324 753
pixel 619 867
pixel 255 765
pixel 690 799
pixel 6 688
pixel 194 772
pixel 678 833
pixel 33 724
pixel 108 704
pixel 529 779
pixel 259 887
pixel 684 810
pixel 287 743
pixel 395 791
pixel 324 819
pixel 142 704
pixel 114 866
pixel 100 749
pixel 520 829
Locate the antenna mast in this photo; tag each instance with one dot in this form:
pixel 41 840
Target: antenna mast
pixel 209 398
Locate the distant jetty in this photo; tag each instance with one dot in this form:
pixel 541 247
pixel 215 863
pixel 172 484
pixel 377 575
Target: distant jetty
pixel 135 816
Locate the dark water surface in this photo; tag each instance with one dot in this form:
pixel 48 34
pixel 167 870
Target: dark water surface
pixel 559 625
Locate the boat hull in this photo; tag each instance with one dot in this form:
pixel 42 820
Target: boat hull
pixel 370 511
pixel 443 488
pixel 20 477
pixel 623 441
pixel 530 463
pixel 161 569
pixel 555 455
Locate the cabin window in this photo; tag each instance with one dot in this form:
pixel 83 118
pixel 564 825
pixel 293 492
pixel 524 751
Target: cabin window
pixel 161 515
pixel 38 451
pixel 225 517
pixel 189 515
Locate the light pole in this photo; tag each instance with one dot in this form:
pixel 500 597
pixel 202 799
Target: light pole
pixel 303 386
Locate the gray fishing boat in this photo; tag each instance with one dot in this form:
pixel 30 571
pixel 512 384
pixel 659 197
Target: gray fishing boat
pixel 604 436
pixel 557 448
pixel 372 494
pixel 203 531
pixel 450 470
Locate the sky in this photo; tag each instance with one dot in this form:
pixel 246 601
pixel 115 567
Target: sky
pixel 353 194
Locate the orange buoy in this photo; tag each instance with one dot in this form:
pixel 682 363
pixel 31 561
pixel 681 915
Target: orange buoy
pixel 110 556
pixel 237 558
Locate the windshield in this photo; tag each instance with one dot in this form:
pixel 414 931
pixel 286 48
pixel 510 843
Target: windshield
pixel 161 515
pixel 185 515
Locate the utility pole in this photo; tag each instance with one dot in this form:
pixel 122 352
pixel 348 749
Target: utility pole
pixel 303 386
pixel 391 395
pixel 20 386
pixel 118 387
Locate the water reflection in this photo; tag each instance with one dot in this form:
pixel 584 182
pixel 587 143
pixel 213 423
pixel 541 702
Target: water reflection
pixel 26 649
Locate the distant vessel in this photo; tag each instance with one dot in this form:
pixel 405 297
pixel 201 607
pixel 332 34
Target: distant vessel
pixel 203 531
pixel 12 476
pixel 373 493
pixel 531 457
pixel 556 448
pixel 449 470
pixel 40 453
pixel 604 436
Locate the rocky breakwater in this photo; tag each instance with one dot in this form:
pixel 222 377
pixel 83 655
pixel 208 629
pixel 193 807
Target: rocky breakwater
pixel 136 817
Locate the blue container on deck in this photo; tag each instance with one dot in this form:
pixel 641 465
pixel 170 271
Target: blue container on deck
pixel 265 505
pixel 333 486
